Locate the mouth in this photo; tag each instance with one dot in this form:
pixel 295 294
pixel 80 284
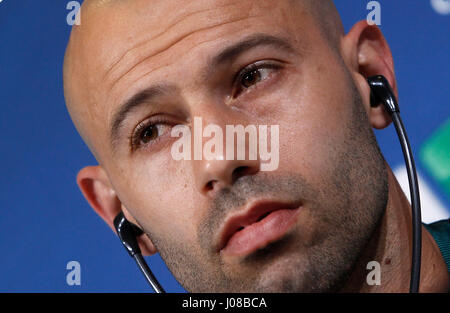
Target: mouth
pixel 262 222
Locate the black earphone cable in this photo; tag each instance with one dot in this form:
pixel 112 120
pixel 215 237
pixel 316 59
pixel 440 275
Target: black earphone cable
pixel 381 92
pixel 415 203
pixel 148 273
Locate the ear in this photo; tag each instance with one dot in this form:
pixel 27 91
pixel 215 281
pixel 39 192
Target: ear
pixel 98 191
pixel 367 53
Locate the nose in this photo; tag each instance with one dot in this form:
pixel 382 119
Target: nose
pixel 213 175
pixel 223 168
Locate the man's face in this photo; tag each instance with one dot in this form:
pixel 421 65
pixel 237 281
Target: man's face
pixel 288 74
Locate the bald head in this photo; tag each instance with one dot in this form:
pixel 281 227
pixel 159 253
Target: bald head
pixel 107 25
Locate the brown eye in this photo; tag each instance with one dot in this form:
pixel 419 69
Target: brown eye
pixel 253 75
pixel 149 133
pixel 251 78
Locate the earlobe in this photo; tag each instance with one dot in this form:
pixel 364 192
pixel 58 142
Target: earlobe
pixel 367 54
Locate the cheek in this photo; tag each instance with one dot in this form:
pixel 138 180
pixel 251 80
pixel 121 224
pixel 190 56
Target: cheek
pixel 314 118
pixel 159 196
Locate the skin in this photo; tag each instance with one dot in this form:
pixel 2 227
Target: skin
pixel 353 210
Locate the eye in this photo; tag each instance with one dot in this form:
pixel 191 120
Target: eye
pixel 252 78
pixel 252 75
pixel 147 133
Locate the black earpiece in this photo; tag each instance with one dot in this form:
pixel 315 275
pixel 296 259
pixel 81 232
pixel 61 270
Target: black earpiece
pixel 128 233
pixel 381 92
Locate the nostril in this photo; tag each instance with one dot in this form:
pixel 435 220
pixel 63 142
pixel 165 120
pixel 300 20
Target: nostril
pixel 209 186
pixel 241 171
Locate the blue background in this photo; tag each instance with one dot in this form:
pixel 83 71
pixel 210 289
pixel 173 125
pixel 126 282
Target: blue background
pixel 45 221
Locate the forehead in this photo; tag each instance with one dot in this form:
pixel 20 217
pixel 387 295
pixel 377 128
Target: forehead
pixel 126 43
pixel 119 26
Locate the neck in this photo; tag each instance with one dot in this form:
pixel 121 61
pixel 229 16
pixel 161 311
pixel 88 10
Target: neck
pixel 391 247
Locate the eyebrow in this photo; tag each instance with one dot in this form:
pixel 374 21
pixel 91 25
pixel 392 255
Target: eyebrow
pixel 232 52
pixel 225 56
pixel 143 96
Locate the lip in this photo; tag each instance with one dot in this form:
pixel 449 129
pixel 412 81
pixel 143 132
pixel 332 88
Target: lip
pixel 268 219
